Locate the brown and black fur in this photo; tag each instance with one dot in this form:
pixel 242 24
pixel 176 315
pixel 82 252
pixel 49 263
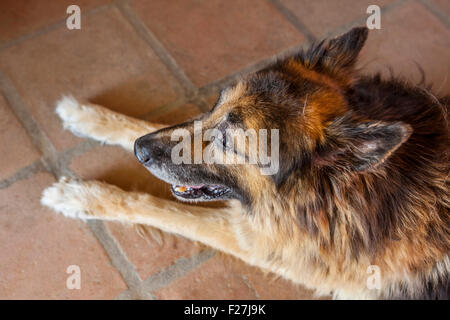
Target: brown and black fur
pixel 363 176
pixel 388 206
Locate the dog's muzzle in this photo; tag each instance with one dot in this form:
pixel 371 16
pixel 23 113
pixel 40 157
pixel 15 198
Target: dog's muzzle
pixel 148 149
pixel 141 151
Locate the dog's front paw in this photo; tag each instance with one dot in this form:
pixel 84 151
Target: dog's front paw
pixel 69 197
pixel 77 118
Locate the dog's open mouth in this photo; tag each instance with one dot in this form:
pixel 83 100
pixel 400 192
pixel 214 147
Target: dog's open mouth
pixel 204 191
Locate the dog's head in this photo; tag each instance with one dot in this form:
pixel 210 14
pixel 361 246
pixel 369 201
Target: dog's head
pixel 272 128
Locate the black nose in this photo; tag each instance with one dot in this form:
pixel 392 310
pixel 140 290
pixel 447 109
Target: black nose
pixel 141 151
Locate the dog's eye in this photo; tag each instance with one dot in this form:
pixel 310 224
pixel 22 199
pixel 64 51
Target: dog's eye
pixel 225 141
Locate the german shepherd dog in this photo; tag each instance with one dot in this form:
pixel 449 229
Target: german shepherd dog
pixel 362 182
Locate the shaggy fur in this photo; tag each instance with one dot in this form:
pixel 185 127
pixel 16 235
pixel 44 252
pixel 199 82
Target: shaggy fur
pixel 363 177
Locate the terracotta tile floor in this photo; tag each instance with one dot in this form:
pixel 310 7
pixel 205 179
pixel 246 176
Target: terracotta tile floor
pixel 165 61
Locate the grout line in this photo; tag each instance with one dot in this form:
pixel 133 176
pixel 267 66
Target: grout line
pixel 57 166
pixel 250 286
pixel 157 47
pixel 436 12
pixel 23 173
pixel 254 67
pixel 31 35
pixel 190 90
pixel 161 110
pixel 48 28
pixel 293 19
pixel 261 64
pixel 98 228
pixel 38 137
pixel 118 257
pixel 63 158
pixel 178 269
pixel 135 295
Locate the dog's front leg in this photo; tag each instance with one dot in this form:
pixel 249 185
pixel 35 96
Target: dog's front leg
pixel 101 124
pixel 98 200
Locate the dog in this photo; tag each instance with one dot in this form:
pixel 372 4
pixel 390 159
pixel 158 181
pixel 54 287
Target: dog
pixel 361 184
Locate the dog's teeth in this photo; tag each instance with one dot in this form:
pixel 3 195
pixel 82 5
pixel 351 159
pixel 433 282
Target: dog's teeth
pixel 180 189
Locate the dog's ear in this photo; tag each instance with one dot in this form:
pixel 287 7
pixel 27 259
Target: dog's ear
pixel 361 146
pixel 343 50
pixel 338 54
